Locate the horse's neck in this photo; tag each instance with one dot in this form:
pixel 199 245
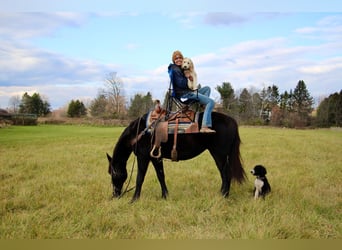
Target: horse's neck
pixel 123 148
pixel 122 151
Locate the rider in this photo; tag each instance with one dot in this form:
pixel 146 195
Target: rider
pixel 181 90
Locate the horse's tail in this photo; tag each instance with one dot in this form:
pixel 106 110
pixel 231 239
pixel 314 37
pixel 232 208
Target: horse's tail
pixel 235 161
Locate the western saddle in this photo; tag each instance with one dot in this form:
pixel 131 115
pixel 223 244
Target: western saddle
pixel 162 122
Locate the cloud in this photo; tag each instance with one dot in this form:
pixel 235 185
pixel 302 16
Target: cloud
pixel 33 24
pixel 224 18
pixel 25 65
pixel 188 20
pixel 328 28
pixel 327 66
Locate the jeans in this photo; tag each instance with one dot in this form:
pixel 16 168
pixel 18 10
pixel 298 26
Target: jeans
pixel 203 98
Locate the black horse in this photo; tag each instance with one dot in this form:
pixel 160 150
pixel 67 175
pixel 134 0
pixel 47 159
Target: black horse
pixel 224 146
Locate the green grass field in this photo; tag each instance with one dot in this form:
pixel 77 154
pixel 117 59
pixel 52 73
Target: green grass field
pixel 54 185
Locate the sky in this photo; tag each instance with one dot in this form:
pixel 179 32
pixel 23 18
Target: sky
pixel 64 50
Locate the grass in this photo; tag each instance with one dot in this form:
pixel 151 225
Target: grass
pixel 54 185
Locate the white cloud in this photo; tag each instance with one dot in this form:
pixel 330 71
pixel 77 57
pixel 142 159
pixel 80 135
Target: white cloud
pixel 328 28
pixel 323 67
pixel 33 24
pixel 26 65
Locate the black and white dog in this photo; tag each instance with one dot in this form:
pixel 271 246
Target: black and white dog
pixel 261 185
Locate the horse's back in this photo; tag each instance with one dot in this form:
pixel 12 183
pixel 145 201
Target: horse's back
pixel 191 145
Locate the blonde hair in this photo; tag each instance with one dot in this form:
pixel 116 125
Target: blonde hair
pixel 175 54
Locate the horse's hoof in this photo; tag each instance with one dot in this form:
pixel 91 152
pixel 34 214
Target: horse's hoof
pixel 133 200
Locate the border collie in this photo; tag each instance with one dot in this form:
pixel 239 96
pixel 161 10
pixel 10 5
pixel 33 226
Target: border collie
pixel 261 185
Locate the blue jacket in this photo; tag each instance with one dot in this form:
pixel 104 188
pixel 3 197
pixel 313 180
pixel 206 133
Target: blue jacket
pixel 178 80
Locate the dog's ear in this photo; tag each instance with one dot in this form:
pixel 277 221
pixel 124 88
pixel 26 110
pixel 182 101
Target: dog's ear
pixel 263 170
pixel 260 169
pixel 191 64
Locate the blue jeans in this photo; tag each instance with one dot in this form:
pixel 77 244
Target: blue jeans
pixel 203 98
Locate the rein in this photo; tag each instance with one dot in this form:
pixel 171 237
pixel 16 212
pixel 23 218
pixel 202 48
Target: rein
pixel 136 139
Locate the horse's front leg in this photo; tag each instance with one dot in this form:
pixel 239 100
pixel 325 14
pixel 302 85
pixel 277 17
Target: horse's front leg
pixel 142 168
pixel 159 167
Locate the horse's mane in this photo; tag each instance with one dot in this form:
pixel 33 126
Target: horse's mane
pixel 124 143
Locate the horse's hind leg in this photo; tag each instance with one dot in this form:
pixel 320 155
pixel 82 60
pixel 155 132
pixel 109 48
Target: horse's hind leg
pixel 223 166
pixel 159 167
pixel 226 180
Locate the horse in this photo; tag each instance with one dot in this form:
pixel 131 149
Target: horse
pixel 224 147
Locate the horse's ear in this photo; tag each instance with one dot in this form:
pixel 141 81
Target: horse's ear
pixel 109 158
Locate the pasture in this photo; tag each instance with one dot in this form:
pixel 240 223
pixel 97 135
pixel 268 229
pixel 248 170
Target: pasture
pixel 55 185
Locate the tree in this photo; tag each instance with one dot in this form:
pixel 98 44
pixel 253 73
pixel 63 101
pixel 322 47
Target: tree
pixel 140 105
pixel 302 103
pixel 286 101
pixel 269 99
pixel 246 106
pixel 227 95
pixel 329 111
pixel 14 103
pixel 34 105
pixel 76 109
pixel 113 89
pixel 25 104
pixel 256 104
pixel 98 106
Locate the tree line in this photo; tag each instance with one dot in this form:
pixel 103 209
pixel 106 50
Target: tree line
pixel 291 108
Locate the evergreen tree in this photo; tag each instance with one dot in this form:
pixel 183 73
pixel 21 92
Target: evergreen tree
pixel 34 105
pixel 285 101
pixel 76 109
pixel 140 105
pixel 245 104
pixel 302 102
pixel 98 106
pixel 227 95
pixel 329 111
pixel 25 106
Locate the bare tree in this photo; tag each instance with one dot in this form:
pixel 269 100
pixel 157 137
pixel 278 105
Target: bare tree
pixel 114 87
pixel 14 103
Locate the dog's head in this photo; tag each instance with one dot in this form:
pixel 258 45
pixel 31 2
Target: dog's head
pixel 187 64
pixel 259 170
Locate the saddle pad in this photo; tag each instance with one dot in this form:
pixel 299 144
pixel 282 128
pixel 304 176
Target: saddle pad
pixel 188 116
pixel 183 128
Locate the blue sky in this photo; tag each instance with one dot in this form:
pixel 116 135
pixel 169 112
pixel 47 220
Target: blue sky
pixel 64 50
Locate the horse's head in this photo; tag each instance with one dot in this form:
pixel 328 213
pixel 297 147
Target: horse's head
pixel 118 174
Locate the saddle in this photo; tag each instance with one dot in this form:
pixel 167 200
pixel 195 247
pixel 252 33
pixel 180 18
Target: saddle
pixel 162 124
